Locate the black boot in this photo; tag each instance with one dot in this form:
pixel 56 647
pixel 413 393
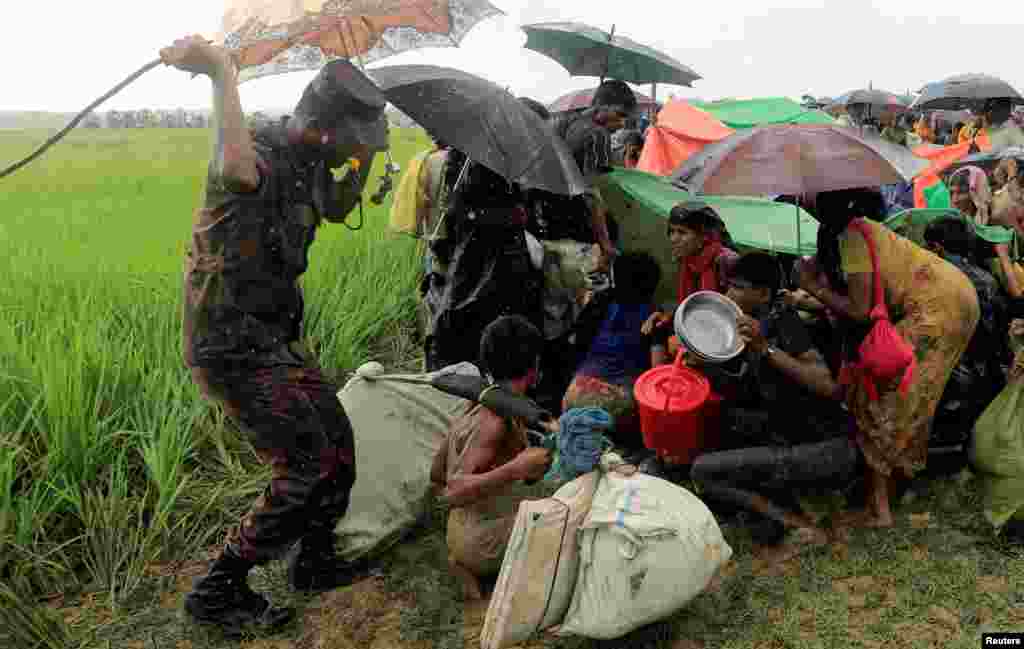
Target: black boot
pixel 315 567
pixel 223 599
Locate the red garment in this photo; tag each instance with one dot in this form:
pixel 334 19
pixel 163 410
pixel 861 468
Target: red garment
pixel 700 273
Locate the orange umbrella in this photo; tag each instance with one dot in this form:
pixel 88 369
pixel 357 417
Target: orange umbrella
pixel 680 131
pixel 274 36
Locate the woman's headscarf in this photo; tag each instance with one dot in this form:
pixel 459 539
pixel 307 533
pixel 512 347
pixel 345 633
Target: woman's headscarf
pixel 980 192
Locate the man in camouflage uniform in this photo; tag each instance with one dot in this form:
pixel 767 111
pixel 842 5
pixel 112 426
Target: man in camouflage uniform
pixel 266 195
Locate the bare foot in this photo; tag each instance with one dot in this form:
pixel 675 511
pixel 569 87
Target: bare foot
pixel 862 519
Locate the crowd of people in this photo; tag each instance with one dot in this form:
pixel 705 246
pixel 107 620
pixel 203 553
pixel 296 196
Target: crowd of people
pixel 952 300
pixel 494 250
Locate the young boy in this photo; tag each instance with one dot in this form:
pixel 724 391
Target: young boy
pixel 481 466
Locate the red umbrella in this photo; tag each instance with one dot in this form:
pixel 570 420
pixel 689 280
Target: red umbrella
pixel 579 99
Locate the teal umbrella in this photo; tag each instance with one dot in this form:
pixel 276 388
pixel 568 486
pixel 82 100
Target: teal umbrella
pixel 586 51
pixel 911 224
pixel 641 203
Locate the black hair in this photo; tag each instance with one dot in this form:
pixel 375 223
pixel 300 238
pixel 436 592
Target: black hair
pixel 695 215
pixel 634 138
pixel 699 216
pixel 637 275
pixel 760 269
pixel 951 234
pixel 510 347
pixel 614 94
pixel 835 210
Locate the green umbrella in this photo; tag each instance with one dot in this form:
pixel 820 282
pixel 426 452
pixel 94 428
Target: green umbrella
pixel 586 51
pixel 641 203
pixel 749 113
pixel 911 224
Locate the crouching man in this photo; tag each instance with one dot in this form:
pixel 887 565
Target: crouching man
pixel 481 466
pixel 784 420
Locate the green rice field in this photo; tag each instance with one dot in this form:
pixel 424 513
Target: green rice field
pixel 100 425
pixel 117 482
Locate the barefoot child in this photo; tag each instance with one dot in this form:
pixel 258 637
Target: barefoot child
pixel 482 464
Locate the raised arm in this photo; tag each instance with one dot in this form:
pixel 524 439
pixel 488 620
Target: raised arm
pixel 235 160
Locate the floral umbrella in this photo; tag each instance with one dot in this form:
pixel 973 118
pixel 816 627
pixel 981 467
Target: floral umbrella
pixel 269 37
pixel 275 36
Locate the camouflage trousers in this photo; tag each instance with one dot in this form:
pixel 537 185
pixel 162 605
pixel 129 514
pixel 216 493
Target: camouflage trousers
pixel 292 417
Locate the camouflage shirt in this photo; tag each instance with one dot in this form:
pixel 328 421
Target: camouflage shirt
pixel 241 297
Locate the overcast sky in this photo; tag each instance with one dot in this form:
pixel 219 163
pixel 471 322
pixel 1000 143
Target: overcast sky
pixel 62 54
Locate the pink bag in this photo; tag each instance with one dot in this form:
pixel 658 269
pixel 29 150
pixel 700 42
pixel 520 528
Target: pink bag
pixel 884 354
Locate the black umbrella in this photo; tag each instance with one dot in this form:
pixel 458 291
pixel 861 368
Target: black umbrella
pixel 485 122
pixel 876 99
pixel 965 91
pixel 988 160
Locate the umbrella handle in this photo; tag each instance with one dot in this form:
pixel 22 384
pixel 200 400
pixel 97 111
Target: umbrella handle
pixel 78 118
pixel 455 187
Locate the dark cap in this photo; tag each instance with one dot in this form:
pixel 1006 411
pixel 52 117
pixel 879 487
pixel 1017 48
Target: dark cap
pixel 343 99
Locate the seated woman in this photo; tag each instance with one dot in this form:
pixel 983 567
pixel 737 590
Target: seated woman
pixel 481 465
pixel 615 352
pixel 779 375
pixel 699 243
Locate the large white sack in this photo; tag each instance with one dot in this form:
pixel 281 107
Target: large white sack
pixel 539 571
pixel 647 548
pixel 398 428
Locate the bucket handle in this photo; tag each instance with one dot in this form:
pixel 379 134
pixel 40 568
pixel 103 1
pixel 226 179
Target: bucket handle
pixel 679 363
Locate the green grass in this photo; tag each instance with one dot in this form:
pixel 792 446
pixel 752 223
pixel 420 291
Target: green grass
pixel 108 457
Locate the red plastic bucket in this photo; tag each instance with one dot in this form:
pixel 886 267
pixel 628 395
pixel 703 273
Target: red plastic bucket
pixel 671 401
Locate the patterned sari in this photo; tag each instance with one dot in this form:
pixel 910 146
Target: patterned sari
pixel 935 308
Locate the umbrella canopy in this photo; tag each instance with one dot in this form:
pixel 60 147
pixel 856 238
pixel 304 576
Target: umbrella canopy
pixel 796 160
pixel 878 100
pixel 579 99
pixel 485 122
pixel 680 131
pixel 912 224
pixel 988 160
pixel 964 91
pixel 275 36
pixel 748 113
pixel 586 51
pixel 643 201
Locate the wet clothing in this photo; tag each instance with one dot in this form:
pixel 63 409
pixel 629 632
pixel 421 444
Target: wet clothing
pixel 766 450
pixel 613 356
pixel 759 400
pixel 292 417
pixel 934 307
pixel 242 300
pixel 242 319
pixel 488 271
pixel 478 533
pixel 978 378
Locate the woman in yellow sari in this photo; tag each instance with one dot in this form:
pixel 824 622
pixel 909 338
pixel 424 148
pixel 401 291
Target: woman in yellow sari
pixel 933 306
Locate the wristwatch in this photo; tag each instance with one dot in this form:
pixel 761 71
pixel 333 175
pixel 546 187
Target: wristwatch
pixel 768 351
